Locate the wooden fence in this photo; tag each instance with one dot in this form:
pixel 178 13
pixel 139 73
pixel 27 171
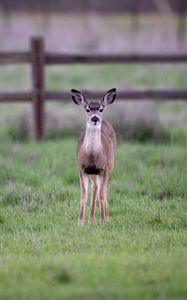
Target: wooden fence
pixel 38 58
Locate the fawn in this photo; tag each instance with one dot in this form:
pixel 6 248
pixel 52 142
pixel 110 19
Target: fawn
pixel 95 154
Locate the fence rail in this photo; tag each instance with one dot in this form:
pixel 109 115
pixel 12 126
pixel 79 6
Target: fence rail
pixel 139 94
pixel 15 57
pixel 38 58
pixel 113 59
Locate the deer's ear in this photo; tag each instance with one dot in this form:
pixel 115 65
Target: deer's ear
pixel 109 97
pixel 78 98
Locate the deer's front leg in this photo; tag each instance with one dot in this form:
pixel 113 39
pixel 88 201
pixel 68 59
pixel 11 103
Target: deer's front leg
pixel 103 198
pixel 84 195
pixel 94 195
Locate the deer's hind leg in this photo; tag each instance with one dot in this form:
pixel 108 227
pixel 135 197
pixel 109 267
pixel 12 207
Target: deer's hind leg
pixel 94 196
pixel 103 197
pixel 84 195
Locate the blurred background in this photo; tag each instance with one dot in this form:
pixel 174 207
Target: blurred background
pixel 93 26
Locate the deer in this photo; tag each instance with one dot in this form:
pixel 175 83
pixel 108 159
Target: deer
pixel 95 154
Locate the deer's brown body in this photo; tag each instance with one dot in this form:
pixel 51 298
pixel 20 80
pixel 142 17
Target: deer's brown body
pixel 95 154
pixel 96 162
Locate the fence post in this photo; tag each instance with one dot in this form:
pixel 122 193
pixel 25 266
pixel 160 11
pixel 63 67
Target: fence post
pixel 37 61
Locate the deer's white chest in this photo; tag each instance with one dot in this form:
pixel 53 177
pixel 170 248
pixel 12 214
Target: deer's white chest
pixel 92 139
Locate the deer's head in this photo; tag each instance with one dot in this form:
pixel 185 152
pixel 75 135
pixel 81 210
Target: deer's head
pixel 94 109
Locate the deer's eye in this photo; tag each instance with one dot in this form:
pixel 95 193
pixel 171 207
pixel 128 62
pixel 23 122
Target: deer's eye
pixel 87 109
pixel 101 110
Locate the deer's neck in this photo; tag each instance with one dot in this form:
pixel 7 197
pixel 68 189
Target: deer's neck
pixel 92 139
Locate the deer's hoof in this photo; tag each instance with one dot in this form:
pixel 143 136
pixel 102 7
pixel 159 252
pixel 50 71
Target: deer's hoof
pixel 80 222
pixel 104 221
pixel 92 221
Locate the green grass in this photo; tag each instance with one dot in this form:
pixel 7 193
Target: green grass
pixel 140 254
pixel 97 76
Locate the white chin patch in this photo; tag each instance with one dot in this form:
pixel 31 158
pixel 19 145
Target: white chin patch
pixel 92 124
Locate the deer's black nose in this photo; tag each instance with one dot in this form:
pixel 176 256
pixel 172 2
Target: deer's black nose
pixel 95 119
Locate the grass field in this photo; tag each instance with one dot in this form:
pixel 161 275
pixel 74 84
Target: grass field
pixel 142 252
